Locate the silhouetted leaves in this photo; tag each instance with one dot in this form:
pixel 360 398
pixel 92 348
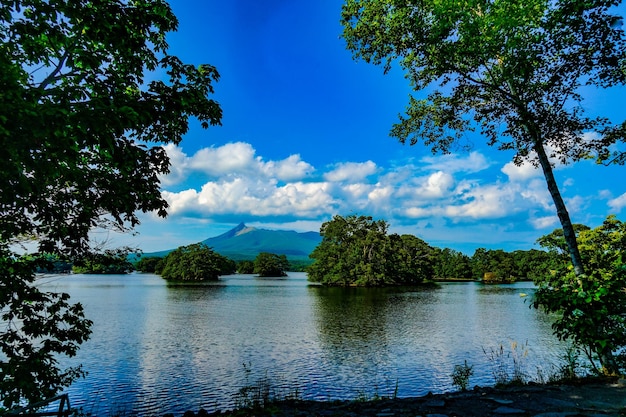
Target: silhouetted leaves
pixel 88 92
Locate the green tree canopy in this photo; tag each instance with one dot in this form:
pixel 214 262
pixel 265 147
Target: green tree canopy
pixel 411 259
pixel 495 266
pixel 245 267
pixel 88 91
pixel 515 69
pixel 356 250
pixel 504 266
pixel 352 252
pixel 591 307
pixel 110 261
pixel 534 264
pixel 195 262
pixel 271 265
pixel 148 264
pixel 449 263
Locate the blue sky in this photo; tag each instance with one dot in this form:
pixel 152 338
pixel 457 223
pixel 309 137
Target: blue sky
pixel 305 136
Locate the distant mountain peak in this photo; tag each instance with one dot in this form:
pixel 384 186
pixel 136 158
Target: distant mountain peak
pixel 238 230
pixel 233 232
pixel 245 229
pixel 244 242
pixel 241 226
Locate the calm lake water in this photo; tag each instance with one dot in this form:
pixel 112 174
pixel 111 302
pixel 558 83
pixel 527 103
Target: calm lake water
pixel 158 348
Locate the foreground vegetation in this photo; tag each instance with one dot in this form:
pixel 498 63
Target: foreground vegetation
pixel 87 90
pixel 591 307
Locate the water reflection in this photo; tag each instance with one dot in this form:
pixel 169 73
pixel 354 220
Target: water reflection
pixel 159 348
pixel 369 336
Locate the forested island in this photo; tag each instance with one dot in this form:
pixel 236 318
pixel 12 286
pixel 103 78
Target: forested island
pixel 355 250
pixel 358 251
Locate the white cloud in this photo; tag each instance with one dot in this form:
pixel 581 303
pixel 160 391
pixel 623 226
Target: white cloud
pixel 491 201
pixel 536 193
pixel 380 195
pixel 544 222
pixel 351 171
pixel 355 191
pixel 437 185
pixel 240 183
pixel 431 187
pixel 289 169
pixel 526 170
pixel 469 201
pixel 232 159
pixel 418 212
pixel 178 165
pixel 618 203
pixel 576 204
pixel 521 172
pixel 180 201
pixel 452 163
pixel 257 198
pixel 227 159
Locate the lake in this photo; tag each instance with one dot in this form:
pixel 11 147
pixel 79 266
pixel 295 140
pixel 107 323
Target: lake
pixel 158 348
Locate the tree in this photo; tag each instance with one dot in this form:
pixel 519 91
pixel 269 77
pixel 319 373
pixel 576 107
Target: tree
pixel 592 308
pixel 111 261
pixel 534 264
pixel 449 263
pixel 352 252
pixel 480 261
pixel 411 259
pixel 37 326
pixel 148 264
pixel 495 266
pixel 195 262
pixel 516 69
pixel 356 251
pixel 245 267
pixel 88 91
pixel 271 265
pixel 227 266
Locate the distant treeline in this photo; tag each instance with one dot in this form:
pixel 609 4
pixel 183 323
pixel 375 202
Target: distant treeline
pixel 355 250
pixel 358 251
pixel 441 264
pixel 198 262
pixel 493 265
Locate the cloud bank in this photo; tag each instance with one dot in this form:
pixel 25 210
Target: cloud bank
pixel 461 201
pixel 232 181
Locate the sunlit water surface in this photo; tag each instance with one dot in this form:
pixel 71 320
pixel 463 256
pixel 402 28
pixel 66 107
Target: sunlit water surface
pixel 159 348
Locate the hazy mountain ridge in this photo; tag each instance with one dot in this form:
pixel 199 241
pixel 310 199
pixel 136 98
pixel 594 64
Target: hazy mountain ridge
pixel 243 242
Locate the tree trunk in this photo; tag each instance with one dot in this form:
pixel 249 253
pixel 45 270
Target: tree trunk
pixel 606 357
pixel 561 210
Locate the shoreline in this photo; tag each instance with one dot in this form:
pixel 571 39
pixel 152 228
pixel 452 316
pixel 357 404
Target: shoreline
pixel 587 397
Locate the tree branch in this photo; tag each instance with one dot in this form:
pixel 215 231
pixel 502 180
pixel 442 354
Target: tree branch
pixel 52 76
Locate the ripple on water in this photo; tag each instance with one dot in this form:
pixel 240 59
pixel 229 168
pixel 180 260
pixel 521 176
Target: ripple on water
pixel 158 349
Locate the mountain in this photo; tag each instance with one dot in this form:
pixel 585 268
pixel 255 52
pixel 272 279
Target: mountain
pixel 245 242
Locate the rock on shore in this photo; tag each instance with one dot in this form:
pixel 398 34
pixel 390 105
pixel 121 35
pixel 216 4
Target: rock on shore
pixel 596 398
